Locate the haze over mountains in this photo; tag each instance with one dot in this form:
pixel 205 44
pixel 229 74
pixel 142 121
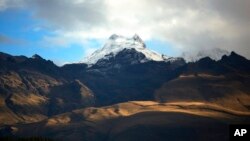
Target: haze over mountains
pixel 124 91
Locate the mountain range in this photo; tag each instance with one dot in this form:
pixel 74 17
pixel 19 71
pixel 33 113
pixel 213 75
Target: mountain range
pixel 124 91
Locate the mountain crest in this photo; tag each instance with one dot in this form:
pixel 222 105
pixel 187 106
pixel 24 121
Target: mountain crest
pixel 213 53
pixel 137 38
pixel 114 37
pixel 118 43
pixel 36 56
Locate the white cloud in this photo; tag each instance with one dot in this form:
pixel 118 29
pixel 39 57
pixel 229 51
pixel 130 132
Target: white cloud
pixel 186 24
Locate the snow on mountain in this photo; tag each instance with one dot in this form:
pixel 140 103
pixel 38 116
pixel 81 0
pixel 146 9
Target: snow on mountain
pixel 214 53
pixel 117 43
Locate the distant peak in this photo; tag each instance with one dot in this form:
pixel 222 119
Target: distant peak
pixel 206 59
pixel 114 36
pixel 137 38
pixel 118 43
pixel 234 54
pixel 213 53
pixel 36 56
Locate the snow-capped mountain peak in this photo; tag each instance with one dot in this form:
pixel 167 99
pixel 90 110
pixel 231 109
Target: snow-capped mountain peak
pixel 213 53
pixel 117 43
pixel 114 37
pixel 137 38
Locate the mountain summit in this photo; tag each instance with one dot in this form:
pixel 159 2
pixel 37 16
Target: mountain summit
pixel 214 53
pixel 36 56
pixel 117 43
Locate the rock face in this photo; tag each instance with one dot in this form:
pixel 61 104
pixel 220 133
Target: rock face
pixel 123 58
pixel 71 96
pixel 28 86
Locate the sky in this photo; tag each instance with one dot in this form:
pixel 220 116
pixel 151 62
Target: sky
pixel 66 31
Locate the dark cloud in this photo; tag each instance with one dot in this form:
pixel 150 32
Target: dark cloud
pixel 187 24
pixel 69 15
pixel 232 10
pixel 235 13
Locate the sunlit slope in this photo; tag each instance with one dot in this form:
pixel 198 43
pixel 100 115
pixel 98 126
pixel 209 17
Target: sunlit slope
pixel 231 91
pixel 146 120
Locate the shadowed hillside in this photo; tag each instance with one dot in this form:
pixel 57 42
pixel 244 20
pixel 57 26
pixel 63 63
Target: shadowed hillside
pixel 225 82
pixel 145 120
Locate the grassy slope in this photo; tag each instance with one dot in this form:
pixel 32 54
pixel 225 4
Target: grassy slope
pixel 231 91
pixel 145 120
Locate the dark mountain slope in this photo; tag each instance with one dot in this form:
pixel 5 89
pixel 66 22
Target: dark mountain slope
pixel 225 82
pixel 123 78
pixel 26 87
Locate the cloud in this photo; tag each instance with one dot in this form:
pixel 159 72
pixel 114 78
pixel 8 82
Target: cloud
pixel 231 10
pixel 187 24
pixel 69 15
pixel 6 4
